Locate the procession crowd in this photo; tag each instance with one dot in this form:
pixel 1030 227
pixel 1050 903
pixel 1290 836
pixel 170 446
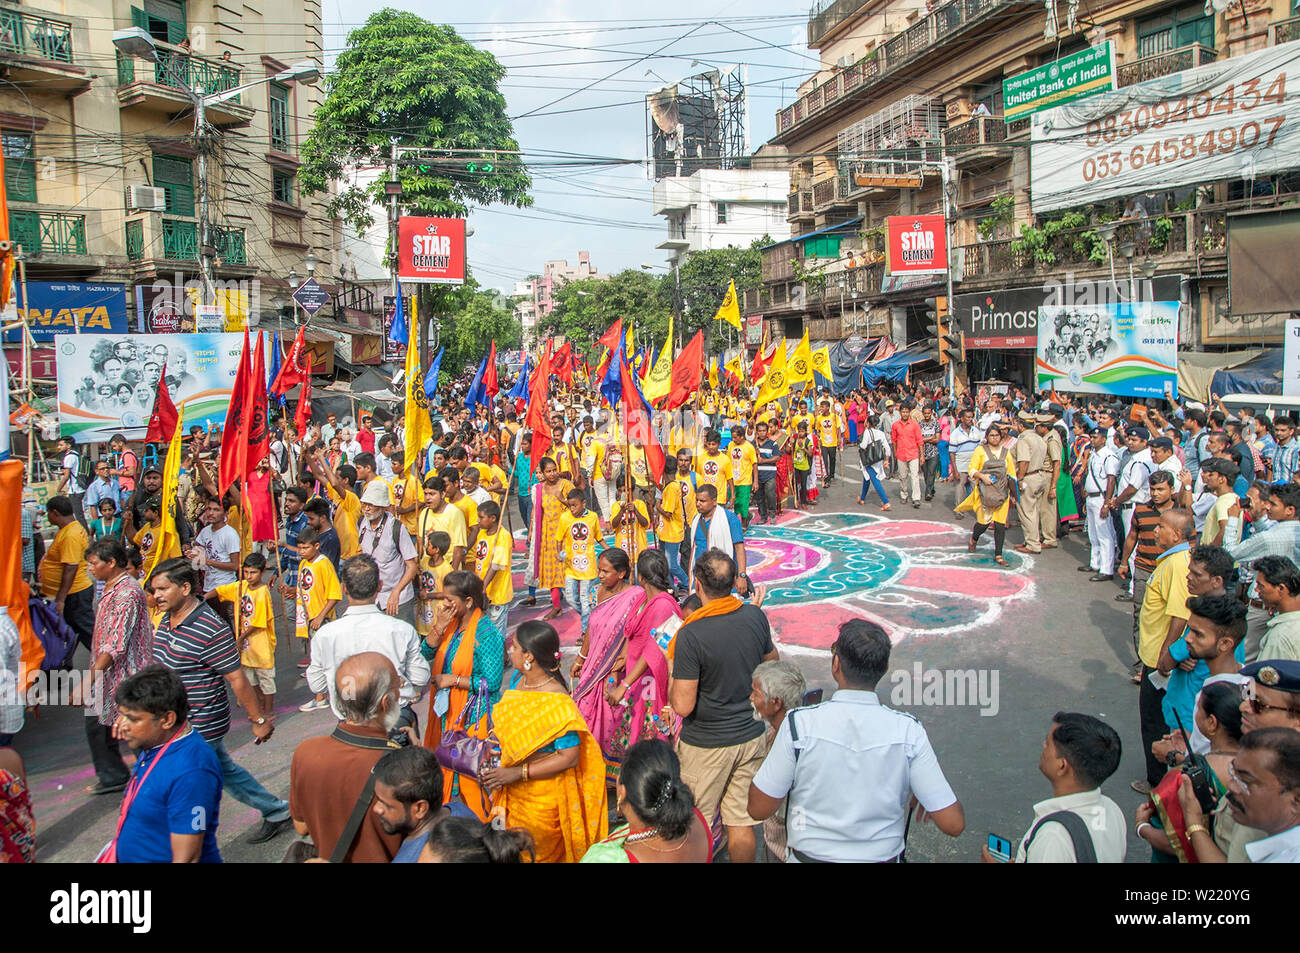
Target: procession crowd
pixel 459 733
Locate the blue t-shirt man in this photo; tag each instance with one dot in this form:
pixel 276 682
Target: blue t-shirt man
pixel 1183 687
pixel 701 538
pixel 182 795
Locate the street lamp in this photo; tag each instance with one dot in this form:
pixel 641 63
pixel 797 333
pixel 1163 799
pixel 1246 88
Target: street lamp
pixel 135 42
pixel 311 261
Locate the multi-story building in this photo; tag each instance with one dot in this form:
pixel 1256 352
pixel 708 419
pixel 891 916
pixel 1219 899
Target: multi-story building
pixel 535 298
pixel 720 208
pixel 906 86
pixel 102 162
pixel 525 307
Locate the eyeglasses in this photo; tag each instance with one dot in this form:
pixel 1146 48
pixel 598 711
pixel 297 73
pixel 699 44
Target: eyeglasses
pixel 1259 707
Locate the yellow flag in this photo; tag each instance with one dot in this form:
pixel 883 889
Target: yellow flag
pixel 729 311
pixel 775 383
pixel 801 362
pixel 658 382
pixel 168 538
pixel 821 362
pixel 736 368
pixel 418 430
pixel 713 373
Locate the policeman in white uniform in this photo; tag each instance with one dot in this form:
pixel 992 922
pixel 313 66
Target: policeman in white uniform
pixel 1098 487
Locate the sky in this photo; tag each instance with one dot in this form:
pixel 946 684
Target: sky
pixel 584 82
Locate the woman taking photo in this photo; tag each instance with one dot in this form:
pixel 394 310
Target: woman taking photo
pixel 601 660
pixel 643 693
pixel 990 499
pixel 465 652
pixel 550 782
pixel 663 824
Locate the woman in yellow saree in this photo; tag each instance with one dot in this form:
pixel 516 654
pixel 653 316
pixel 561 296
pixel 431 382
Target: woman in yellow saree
pixel 551 781
pixel 990 498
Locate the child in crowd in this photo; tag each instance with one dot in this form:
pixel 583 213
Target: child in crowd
pixel 255 635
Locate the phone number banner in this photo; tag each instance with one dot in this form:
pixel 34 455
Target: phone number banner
pixel 1228 120
pixel 1128 348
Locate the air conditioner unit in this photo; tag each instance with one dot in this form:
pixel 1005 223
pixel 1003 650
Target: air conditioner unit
pixel 145 198
pixel 845 60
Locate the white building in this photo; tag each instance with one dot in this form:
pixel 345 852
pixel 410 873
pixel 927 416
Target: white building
pixel 717 208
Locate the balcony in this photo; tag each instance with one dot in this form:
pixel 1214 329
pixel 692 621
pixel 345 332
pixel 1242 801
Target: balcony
pixel 37 49
pixel 1284 31
pixel 1165 64
pixel 163 85
pixel 832 191
pixel 799 205
pixel 827 15
pixel 135 240
pixel 953 20
pixel 229 244
pixel 975 142
pixel 180 240
pixel 48 233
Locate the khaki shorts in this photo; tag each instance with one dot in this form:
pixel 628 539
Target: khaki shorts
pixel 720 777
pixel 263 678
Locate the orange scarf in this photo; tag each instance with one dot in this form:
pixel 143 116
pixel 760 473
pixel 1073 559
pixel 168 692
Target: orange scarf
pixel 462 664
pixel 724 606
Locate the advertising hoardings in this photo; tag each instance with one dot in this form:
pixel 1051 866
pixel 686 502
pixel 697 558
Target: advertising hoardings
pixel 431 250
pixel 1129 348
pixel 918 245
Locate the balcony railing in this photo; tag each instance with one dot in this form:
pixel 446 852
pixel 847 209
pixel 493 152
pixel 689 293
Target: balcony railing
pixel 135 240
pixel 832 191
pixel 827 15
pixel 48 233
pixel 30 35
pixel 181 71
pixel 1166 63
pixel 229 243
pixel 180 240
pixel 976 131
pixel 354 297
pixel 949 21
pixel 1284 31
pixel 799 202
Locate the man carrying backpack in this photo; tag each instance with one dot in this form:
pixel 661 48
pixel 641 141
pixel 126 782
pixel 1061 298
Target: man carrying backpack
pixel 72 483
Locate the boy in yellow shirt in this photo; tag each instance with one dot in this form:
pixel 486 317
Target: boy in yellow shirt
pixel 672 520
pixel 338 487
pixel 829 430
pixel 744 461
pixel 433 570
pixel 461 500
pixel 317 594
pixel 630 522
pixel 256 634
pixel 579 534
pixel 407 493
pixel 491 552
pixel 148 536
pixel 714 467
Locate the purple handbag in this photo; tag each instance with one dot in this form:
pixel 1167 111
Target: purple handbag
pixel 466 753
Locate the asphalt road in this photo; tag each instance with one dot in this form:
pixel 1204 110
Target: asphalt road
pixel 1061 643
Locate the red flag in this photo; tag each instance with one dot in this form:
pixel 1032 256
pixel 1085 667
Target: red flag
pixel 564 364
pixel 687 369
pixel 490 386
pixel 302 417
pixel 261 510
pixel 163 419
pixel 234 435
pixel 257 437
pixel 603 367
pixel 637 422
pixel 538 418
pixel 292 371
pixel 614 336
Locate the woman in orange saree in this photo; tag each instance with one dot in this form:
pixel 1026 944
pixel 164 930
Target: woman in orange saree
pixel 465 651
pixel 551 781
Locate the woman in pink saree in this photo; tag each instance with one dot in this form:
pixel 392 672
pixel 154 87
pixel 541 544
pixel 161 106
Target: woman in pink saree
pixel 643 693
pixel 602 659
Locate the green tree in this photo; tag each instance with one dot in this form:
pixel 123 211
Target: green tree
pixel 470 322
pixel 585 309
pixel 704 279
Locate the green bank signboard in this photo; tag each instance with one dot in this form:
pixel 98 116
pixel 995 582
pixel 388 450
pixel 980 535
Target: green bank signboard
pixel 1061 81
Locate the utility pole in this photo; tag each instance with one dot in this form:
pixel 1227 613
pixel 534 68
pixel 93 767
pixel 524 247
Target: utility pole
pixel 200 142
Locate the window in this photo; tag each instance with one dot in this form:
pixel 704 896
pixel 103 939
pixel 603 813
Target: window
pixel 175 176
pixel 164 20
pixel 822 246
pixel 1174 29
pixel 20 169
pixel 282 187
pixel 722 212
pixel 279 94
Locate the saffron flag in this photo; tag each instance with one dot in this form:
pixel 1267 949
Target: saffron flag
pixel 775 384
pixel 168 538
pixel 14 591
pixel 418 428
pixel 713 373
pixel 729 310
pixel 302 416
pixel 603 367
pixel 611 337
pixel 685 378
pixel 647 362
pixel 538 417
pixel 637 422
pixel 162 420
pixel 564 363
pixel 800 371
pixel 258 439
pixel 291 372
pixel 234 434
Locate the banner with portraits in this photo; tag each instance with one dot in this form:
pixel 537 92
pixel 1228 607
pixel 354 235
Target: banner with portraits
pixel 1128 348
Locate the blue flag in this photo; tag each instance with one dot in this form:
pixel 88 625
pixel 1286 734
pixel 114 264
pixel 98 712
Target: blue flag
pixel 399 332
pixel 477 390
pixel 611 387
pixel 520 390
pixel 431 378
pixel 274 370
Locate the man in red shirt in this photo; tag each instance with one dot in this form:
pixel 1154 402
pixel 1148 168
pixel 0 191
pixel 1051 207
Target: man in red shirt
pixel 366 435
pixel 906 437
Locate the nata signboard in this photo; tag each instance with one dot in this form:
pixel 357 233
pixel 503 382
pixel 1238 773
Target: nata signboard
pixel 917 245
pixel 431 250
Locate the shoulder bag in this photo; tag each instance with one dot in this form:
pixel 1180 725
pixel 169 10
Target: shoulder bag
pixel 463 752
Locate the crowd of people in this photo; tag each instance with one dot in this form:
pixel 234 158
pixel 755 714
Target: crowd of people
pixel 458 731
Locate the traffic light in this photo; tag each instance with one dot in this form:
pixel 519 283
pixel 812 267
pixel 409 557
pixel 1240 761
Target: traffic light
pixel 946 336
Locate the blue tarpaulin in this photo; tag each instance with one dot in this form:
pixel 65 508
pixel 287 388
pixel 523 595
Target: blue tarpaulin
pixel 854 371
pixel 1260 375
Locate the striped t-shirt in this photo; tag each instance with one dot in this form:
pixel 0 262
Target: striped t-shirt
pixel 1147 550
pixel 201 650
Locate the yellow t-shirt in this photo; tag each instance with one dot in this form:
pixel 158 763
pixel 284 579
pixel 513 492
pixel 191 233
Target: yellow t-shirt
pixel 495 549
pixel 640 469
pixel 715 470
pixel 671 528
pixel 828 429
pixel 468 509
pixel 631 539
pixel 450 521
pixel 797 419
pixel 686 487
pixel 578 535
pixel 256 622
pixel 1165 599
pixel 709 403
pixel 347 512
pixel 317 585
pixel 593 453
pixel 743 460
pixel 68 548
pixel 428 585
pixel 147 537
pixel 407 492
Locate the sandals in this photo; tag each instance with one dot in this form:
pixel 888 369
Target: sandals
pixel 1001 561
pixel 970 545
pixel 530 601
pixel 885 508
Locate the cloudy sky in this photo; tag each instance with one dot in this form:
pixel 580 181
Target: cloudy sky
pixel 583 82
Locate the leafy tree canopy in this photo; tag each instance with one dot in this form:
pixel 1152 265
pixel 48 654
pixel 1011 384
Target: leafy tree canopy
pixel 585 309
pixel 470 321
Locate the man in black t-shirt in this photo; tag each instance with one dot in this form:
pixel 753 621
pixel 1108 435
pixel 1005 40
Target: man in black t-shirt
pixel 721 745
pixel 768 453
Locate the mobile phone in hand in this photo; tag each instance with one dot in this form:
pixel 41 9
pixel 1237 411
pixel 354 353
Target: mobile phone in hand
pixel 1000 849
